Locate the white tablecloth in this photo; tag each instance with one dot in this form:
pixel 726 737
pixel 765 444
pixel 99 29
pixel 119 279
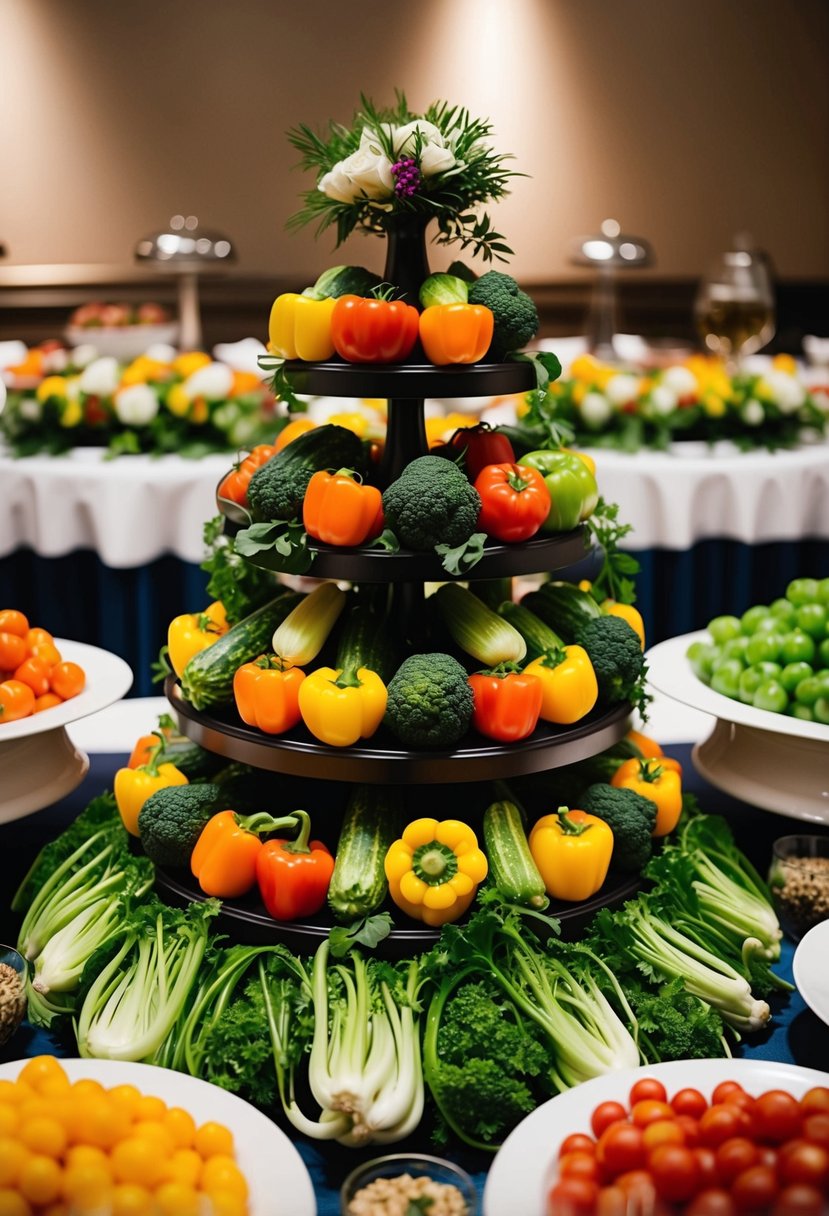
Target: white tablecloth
pixel 131 510
pixel 697 492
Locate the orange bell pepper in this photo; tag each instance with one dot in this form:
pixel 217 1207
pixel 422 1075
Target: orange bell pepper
pixel 647 747
pixel 294 876
pixel 506 704
pixel 224 859
pixel 456 333
pixel 657 778
pixel 266 692
pixel 339 510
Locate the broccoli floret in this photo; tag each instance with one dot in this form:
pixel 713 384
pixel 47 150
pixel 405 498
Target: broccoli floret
pixel 430 701
pixel 431 503
pixel 616 655
pixel 171 820
pixel 276 490
pixel 632 819
pixel 516 317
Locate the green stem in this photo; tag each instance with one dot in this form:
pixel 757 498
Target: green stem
pixel 300 845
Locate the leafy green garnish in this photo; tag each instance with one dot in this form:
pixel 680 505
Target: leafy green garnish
pixel 367 932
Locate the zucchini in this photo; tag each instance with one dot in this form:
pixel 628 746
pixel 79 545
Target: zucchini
pixel 562 606
pixel 194 761
pixel 370 826
pixel 207 680
pixel 511 866
pixel 365 641
pixel 478 630
pixel 539 637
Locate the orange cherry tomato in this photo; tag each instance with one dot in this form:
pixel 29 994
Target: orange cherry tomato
pixel 648 1110
pixel 36 636
pixel 16 701
pixel 34 672
pixel 67 680
pixel 12 651
pixel 234 486
pixel 12 621
pixel 47 651
pixel 48 701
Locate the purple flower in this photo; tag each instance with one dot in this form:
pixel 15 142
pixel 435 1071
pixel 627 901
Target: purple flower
pixel 406 176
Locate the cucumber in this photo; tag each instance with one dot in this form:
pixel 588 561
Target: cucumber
pixel 365 641
pixel 562 606
pixel 370 826
pixel 513 870
pixel 539 637
pixel 195 762
pixel 207 680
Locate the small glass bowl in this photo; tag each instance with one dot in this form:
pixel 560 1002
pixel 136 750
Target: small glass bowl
pixel 799 881
pixel 12 993
pixel 415 1164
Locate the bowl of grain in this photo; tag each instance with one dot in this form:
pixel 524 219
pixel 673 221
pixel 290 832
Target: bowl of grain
pixel 799 881
pixel 12 992
pixel 402 1183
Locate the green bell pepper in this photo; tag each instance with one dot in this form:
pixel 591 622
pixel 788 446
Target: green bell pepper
pixel 573 490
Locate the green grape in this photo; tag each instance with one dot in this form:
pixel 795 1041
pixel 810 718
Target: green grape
pixel 797 647
pixel 752 617
pixel 722 628
pixel 802 591
pixel 725 678
pixel 811 618
pixel 771 695
pixel 793 673
pixel 764 647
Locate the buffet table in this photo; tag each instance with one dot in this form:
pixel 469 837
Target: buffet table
pixel 796 1035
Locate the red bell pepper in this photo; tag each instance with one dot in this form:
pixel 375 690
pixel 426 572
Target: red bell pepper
pixel 514 501
pixel 506 703
pixel 225 856
pixel 373 331
pixel 482 445
pixel 294 875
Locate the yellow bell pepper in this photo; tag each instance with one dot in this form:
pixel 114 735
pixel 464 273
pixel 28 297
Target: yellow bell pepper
pixel 194 631
pixel 133 786
pixel 52 386
pixel 568 684
pixel 628 613
pixel 572 851
pixel 658 778
pixel 300 328
pixel 434 870
pixel 339 707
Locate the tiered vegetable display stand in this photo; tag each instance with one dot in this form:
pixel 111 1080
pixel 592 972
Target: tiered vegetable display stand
pixel 381 759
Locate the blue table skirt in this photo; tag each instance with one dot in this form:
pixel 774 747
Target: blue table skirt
pixel 128 611
pixel 796 1035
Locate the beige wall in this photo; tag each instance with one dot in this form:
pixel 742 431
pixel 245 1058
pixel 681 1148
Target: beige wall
pixel 685 119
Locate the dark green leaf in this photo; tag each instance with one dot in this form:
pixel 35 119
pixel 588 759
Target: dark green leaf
pixel 463 557
pixel 367 932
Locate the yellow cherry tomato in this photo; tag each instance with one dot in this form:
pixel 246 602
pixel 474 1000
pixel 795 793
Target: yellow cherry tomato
pixel 221 1173
pixel 212 1139
pixel 185 1165
pixel 126 1098
pixel 43 1134
pixel 12 1203
pixel 150 1107
pixel 87 1187
pixel 9 1119
pixel 181 1125
pixel 40 1180
pixel 177 1199
pixel 13 1156
pixel 228 1203
pixel 87 1154
pixel 43 1071
pixel 130 1199
pixel 135 1159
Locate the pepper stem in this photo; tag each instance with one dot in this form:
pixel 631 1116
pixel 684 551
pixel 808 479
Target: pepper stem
pixel 553 657
pixel 262 822
pixel 300 845
pixel 434 863
pixel 154 755
pixel 348 678
pixel 568 826
pixel 650 772
pixel 515 481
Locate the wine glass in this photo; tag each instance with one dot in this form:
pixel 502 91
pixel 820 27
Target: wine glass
pixel 734 307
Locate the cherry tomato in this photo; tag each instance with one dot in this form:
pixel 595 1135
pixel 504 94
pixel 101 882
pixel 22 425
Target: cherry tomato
pixel 649 1110
pixel 577 1142
pixel 734 1156
pixel 799 1200
pixel 639 1189
pixel 47 651
pixel 722 1122
pixel 815 1101
pixel 48 701
pixel 711 1202
pixel 799 1161
pixel 578 1165
pixel 754 1188
pixel 707 1162
pixel 776 1116
pixel 690 1129
pixel 741 1101
pixel 605 1114
pixel 648 1087
pixel 234 486
pixel 724 1090
pixel 675 1172
pixel 816 1129
pixel 662 1131
pixel 766 1155
pixel 612 1201
pixel 12 621
pixel 67 680
pixel 16 701
pixel 572 1197
pixel 34 672
pixel 620 1149
pixel 689 1102
pixel 12 651
pixel 36 636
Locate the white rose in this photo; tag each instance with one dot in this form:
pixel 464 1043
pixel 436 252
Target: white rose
pixel 101 377
pixel 242 356
pixel 136 405
pixel 681 379
pixel 161 352
pixel 337 184
pixel 12 353
pixel 663 400
pixel 786 391
pixel 56 361
pixel 752 413
pixel 434 159
pixel 595 410
pixel 30 409
pixel 622 388
pixel 404 138
pixel 84 354
pixel 213 381
pixel 365 173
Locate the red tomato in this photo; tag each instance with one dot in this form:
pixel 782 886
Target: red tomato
pixel 481 445
pixel 234 486
pixel 620 1149
pixel 754 1188
pixel 711 1202
pixel 816 1129
pixel 724 1090
pixel 612 1201
pixel 605 1114
pixel 648 1110
pixel 578 1165
pixel 799 1161
pixel 815 1101
pixel 776 1116
pixel 689 1102
pixel 690 1129
pixel 515 502
pixel 799 1200
pixel 741 1101
pixel 648 1087
pixel 766 1155
pixel 675 1172
pixel 734 1156
pixel 577 1143
pixel 720 1123
pixel 571 1196
pixel 707 1162
pixel 373 331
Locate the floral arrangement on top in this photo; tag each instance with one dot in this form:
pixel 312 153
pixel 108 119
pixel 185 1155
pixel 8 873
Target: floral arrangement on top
pixel 393 162
pixel 159 402
pixel 605 406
